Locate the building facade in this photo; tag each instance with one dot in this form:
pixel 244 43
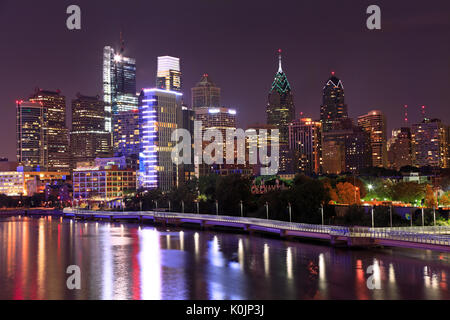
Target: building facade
pixel 205 94
pixel 159 116
pixel 333 108
pixel 102 182
pixel 400 148
pixel 168 75
pixel 305 142
pixel 57 132
pixel 31 134
pixel 126 133
pixel 88 138
pixel 119 84
pixel 430 143
pixel 374 122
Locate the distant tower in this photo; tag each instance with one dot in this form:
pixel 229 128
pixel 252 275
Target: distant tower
pixel 333 107
pixel 205 94
pixel 119 83
pixel 406 115
pixel 423 112
pixel 280 107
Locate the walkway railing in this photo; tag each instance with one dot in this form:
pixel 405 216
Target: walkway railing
pixel 428 235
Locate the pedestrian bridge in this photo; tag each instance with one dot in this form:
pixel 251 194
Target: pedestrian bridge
pixel 430 238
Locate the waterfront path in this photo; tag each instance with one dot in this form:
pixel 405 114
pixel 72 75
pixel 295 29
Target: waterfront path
pixel 430 238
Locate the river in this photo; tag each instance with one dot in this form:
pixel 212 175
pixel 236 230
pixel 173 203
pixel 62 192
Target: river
pixel 128 261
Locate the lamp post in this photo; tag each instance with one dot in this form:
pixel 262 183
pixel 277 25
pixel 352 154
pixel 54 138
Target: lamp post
pixel 290 212
pixel 373 222
pixel 182 206
pixel 423 218
pixel 170 206
pixel 434 216
pixel 198 207
pixel 390 214
pixel 242 208
pixel 321 210
pixel 217 207
pixel 267 210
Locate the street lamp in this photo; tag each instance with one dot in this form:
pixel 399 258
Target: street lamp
pixel 290 212
pixel 267 210
pixel 370 187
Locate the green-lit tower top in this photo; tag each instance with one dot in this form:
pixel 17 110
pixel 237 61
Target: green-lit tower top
pixel 280 83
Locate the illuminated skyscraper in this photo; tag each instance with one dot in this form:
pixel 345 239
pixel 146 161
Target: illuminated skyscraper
pixel 280 107
pixel 57 133
pixel 159 116
pixel 119 84
pixel 374 123
pixel 430 143
pixel 205 94
pixel 168 75
pixel 31 123
pixel 333 106
pixel 305 142
pixel 88 138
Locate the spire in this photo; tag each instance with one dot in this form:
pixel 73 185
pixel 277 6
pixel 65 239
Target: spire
pixel 280 70
pixel 122 43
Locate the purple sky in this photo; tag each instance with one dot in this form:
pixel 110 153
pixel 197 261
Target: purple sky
pixel 407 62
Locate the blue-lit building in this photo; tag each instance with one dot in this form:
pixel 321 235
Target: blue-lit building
pixel 159 115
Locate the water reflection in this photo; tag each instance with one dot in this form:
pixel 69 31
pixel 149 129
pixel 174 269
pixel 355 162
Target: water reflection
pixel 120 261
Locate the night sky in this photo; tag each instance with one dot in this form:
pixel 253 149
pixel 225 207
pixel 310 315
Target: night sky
pixel 235 42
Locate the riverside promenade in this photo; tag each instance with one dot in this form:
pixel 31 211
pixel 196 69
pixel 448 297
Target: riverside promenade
pixel 427 238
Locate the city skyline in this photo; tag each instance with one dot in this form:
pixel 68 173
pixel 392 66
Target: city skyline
pixel 305 65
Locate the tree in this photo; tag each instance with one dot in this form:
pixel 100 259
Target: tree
pixel 232 189
pixel 430 197
pixel 348 193
pixel 408 192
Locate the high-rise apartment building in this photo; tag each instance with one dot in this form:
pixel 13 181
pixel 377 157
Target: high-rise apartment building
pixel 57 133
pixel 159 116
pixel 31 133
pixel 430 143
pixel 333 107
pixel 119 84
pixel 305 142
pixel 88 138
pixel 168 75
pixel 205 94
pixel 374 123
pixel 400 148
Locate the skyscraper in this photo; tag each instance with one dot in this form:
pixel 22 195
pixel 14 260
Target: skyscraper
pixel 214 118
pixel 400 148
pixel 280 112
pixel 119 84
pixel 280 107
pixel 333 106
pixel 430 143
pixel 168 75
pixel 88 138
pixel 57 133
pixel 205 94
pixel 159 116
pixel 31 123
pixel 305 142
pixel 374 123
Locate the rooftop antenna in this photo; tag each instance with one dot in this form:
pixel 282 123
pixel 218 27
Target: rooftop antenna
pixel 279 61
pixel 122 43
pixel 406 114
pixel 423 111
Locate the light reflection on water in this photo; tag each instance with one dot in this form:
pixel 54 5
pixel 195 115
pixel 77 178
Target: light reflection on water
pixel 120 261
